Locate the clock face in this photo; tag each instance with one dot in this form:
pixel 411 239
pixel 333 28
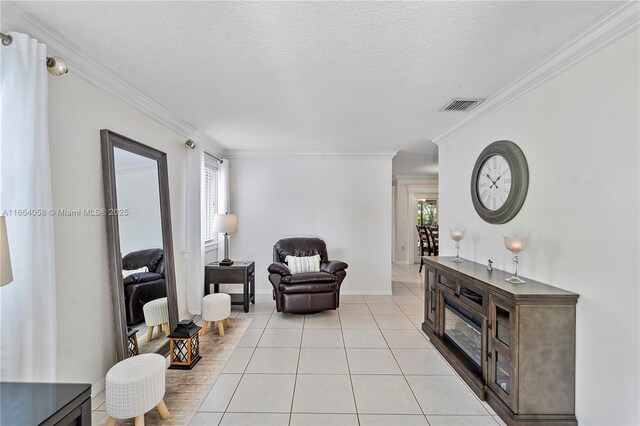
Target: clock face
pixel 494 182
pixel 499 182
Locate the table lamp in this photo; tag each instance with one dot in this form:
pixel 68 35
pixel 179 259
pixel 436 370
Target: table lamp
pixel 6 274
pixel 225 224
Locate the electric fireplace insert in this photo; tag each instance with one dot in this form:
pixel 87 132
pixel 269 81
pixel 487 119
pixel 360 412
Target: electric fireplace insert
pixel 463 330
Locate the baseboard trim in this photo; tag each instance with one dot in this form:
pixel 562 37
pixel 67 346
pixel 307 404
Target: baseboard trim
pixel 97 387
pixel 347 292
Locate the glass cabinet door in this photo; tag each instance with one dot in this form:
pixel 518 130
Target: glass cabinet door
pixel 430 297
pixel 502 322
pixel 502 369
pixel 503 325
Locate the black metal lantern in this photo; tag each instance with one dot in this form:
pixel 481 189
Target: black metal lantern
pixel 184 346
pixel 132 342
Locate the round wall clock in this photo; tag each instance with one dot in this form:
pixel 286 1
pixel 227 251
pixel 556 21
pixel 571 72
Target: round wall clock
pixel 499 182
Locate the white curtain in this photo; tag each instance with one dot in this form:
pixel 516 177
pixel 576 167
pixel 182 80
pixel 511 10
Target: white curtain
pixel 223 200
pixel 28 304
pixel 195 242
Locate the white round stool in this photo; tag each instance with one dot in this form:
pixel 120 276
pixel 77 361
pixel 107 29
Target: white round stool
pixel 216 307
pixel 156 313
pixel 135 386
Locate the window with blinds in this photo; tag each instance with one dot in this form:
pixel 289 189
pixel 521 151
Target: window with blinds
pixel 210 193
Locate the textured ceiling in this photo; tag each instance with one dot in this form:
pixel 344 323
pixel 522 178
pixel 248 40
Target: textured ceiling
pixel 318 75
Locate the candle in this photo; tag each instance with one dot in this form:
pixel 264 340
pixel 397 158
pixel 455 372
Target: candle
pixel 513 244
pixel 456 234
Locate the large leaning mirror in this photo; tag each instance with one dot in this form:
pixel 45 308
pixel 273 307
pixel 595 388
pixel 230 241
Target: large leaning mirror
pixel 140 246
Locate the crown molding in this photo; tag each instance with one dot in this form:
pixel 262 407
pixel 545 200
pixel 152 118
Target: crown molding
pixel 433 177
pixel 612 27
pixel 279 154
pixel 90 69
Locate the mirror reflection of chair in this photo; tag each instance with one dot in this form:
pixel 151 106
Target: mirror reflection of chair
pixel 142 287
pixel 156 314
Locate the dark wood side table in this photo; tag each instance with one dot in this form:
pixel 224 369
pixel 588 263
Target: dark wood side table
pixel 45 404
pixel 241 272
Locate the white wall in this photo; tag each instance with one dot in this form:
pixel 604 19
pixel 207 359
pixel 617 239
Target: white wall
pixel 345 201
pixel 405 234
pixel 138 192
pixel 580 135
pixel 77 112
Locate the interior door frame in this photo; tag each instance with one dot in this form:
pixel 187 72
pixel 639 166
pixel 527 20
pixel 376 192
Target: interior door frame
pixel 428 191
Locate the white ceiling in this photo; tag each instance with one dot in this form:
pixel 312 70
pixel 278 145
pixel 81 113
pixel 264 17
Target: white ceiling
pixel 318 76
pixel 414 164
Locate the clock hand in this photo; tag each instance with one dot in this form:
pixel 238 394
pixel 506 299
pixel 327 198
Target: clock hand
pixel 492 182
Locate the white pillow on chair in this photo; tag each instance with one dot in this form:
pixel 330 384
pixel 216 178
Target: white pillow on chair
pixel 303 264
pixel 127 272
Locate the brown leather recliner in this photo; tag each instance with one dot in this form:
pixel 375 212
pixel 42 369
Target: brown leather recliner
pixel 308 291
pixel 143 287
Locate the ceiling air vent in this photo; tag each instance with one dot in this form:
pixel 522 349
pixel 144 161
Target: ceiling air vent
pixel 462 104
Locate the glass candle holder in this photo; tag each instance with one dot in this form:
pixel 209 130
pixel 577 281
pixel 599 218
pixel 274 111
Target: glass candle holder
pixel 457 235
pixel 515 245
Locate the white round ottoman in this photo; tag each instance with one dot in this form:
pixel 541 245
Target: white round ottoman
pixel 216 307
pixel 135 386
pixel 156 313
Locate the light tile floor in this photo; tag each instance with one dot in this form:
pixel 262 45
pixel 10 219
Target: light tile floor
pixel 369 363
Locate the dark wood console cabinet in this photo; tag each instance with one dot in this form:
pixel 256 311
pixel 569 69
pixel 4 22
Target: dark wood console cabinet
pixel 513 344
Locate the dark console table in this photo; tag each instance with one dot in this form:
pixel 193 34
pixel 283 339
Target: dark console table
pixel 241 272
pixel 32 404
pixel 514 344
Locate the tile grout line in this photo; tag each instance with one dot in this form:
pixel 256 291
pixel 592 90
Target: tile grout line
pixel 295 382
pixel 344 344
pixel 243 371
pixel 400 368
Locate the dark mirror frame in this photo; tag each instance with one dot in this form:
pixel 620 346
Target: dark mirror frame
pixel 109 141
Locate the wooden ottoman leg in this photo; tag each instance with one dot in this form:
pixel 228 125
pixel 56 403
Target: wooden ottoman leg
pixel 220 328
pixel 111 421
pixel 165 327
pixel 159 329
pixel 204 328
pixel 149 333
pixel 228 321
pixel 163 410
pixel 140 420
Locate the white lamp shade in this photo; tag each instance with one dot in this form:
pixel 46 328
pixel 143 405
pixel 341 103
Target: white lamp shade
pixel 225 223
pixel 6 275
